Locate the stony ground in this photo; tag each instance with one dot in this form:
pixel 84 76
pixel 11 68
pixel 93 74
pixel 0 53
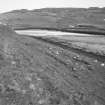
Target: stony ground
pixel 34 71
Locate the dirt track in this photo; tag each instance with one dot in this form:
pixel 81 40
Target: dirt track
pixel 36 71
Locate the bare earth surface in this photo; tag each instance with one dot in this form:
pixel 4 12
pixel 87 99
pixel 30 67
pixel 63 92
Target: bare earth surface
pixel 87 42
pixel 40 71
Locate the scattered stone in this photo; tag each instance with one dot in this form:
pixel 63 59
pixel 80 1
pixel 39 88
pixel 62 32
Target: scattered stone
pixel 50 48
pixel 76 64
pixel 57 52
pixel 96 61
pixel 32 86
pixel 74 69
pixel 13 63
pixel 42 101
pixel 78 56
pixel 75 57
pixel 102 64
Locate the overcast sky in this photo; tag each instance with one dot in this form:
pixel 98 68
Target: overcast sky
pixel 7 5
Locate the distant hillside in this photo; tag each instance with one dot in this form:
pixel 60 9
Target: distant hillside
pixel 77 19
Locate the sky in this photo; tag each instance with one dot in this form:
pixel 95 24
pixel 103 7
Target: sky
pixel 7 5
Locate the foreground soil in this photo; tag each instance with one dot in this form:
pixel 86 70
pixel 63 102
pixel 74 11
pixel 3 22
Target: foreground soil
pixel 34 71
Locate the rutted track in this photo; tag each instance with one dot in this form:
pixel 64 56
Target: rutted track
pixel 68 46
